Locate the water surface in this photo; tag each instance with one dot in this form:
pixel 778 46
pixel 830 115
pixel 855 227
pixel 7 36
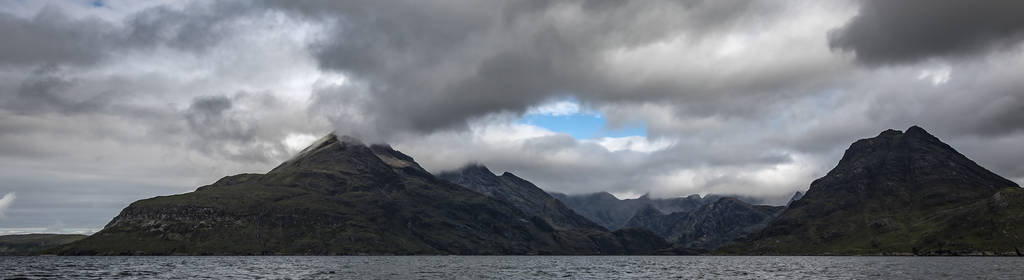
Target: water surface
pixel 512 267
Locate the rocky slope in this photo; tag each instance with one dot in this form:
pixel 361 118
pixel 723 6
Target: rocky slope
pixel 340 196
pixel 522 194
pixel 899 193
pixel 29 244
pixel 690 222
pixel 707 227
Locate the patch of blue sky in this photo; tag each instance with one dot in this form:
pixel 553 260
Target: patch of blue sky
pixel 582 125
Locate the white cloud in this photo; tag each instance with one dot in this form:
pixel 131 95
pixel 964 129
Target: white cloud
pixel 556 108
pixel 297 141
pixel 633 143
pixel 5 202
pixel 937 75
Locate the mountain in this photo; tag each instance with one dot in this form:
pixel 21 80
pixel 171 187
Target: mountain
pixel 899 193
pixel 340 196
pixel 522 194
pixel 707 227
pixel 28 244
pixel 613 213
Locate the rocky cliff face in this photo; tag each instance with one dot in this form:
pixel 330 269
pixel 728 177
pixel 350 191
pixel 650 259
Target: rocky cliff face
pixel 899 192
pixel 340 196
pixel 709 226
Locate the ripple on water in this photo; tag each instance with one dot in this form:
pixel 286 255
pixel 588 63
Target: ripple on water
pixel 510 267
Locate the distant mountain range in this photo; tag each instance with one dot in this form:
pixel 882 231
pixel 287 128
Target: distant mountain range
pixel 340 196
pixel 898 193
pixel 693 223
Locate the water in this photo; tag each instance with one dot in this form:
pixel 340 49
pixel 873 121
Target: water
pixel 512 267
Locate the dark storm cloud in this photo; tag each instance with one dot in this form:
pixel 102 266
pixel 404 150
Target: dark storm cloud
pixel 52 37
pixel 46 90
pixel 890 32
pixel 220 128
pixel 207 114
pixel 195 28
pixel 433 65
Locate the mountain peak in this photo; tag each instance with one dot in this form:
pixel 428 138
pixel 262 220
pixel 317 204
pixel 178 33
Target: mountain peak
pixel 327 140
pixel 344 138
pixel 476 168
pixel 605 196
pixel 897 186
pixel 919 133
pixel 916 130
pixel 348 154
pixel 912 132
pixel 473 174
pixel 912 158
pixel 890 133
pixel 472 171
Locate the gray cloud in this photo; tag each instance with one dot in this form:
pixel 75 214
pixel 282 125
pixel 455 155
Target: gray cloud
pixel 195 28
pixel 5 202
pixel 45 90
pixel 51 37
pixel 208 117
pixel 101 108
pixel 433 66
pixel 890 32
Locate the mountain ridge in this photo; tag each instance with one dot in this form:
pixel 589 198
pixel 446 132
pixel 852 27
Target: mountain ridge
pixel 520 193
pixel 340 196
pixel 898 193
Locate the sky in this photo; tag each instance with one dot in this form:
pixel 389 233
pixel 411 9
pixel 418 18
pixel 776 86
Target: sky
pixel 106 102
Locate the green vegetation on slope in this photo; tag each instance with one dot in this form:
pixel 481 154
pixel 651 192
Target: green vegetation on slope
pixel 29 244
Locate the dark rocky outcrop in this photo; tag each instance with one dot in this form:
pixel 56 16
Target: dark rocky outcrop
pixel 898 193
pixel 30 244
pixel 340 196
